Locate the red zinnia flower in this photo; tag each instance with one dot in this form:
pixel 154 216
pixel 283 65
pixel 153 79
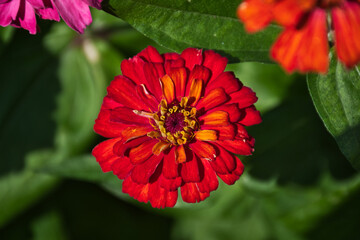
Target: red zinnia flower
pixel 173 121
pixel 303 45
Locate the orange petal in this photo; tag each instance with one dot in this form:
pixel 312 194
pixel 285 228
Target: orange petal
pixel 346 22
pixel 179 76
pixel 305 49
pixel 168 88
pixel 203 150
pixel 135 131
pixel 142 152
pixel 195 91
pixel 217 118
pixel 288 13
pixel 206 135
pixel 159 147
pixel 180 155
pixel 256 14
pixel 213 99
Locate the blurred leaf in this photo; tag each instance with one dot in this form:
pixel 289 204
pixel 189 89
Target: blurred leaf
pixel 269 81
pixel 59 37
pixel 337 99
pixel 263 210
pixel 20 190
pixel 6 34
pixel 48 227
pixel 28 87
pixel 83 82
pixel 204 24
pixel 292 145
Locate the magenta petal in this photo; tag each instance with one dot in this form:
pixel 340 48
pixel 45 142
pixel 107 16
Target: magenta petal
pixel 8 12
pixel 94 3
pixel 26 18
pixel 76 13
pixel 49 11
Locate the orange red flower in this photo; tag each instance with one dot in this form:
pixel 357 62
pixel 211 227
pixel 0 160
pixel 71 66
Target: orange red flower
pixel 174 121
pixel 309 26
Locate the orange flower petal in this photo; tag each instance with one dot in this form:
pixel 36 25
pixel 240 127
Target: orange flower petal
pixel 195 91
pixel 179 76
pixel 224 132
pixel 159 147
pixel 233 111
pixel 213 99
pixel 206 135
pixel 142 152
pixel 256 14
pixel 180 154
pixel 289 12
pixel 346 20
pixel 305 49
pixel 203 150
pixel 216 118
pixel 168 88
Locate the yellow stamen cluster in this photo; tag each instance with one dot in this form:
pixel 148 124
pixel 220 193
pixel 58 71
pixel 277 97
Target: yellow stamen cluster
pixel 189 122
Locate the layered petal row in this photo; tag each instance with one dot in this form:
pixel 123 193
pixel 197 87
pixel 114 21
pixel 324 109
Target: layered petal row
pixel 175 122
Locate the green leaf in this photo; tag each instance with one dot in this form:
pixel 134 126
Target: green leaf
pixel 48 227
pixel 83 82
pixel 20 190
pixel 199 23
pixel 336 97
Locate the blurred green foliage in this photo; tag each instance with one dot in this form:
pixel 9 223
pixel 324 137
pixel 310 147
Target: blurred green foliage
pixel 297 185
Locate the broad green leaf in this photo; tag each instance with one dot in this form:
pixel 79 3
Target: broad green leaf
pixel 336 97
pixel 199 23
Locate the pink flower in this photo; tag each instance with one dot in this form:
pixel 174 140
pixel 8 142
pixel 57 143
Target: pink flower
pixel 21 13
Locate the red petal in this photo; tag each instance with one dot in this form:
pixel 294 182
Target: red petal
pixel 213 99
pixel 346 20
pixel 138 191
pixel 252 117
pixel 122 167
pixel 289 13
pixel 142 172
pixel 232 110
pixel 127 116
pixel 190 193
pixel 123 148
pixel 203 150
pixel 216 118
pixel 123 90
pixel 192 57
pixel 215 62
pixel 231 178
pixel 224 132
pixel 244 98
pixel 256 14
pixel 160 197
pixel 153 72
pixel 151 54
pixel 171 56
pixel 179 76
pixel 225 80
pixel 148 99
pixel 108 129
pixel 104 154
pixel 133 69
pixel 142 152
pixel 209 182
pixel 238 146
pixel 190 170
pixel 305 49
pixel 198 73
pixel 225 162
pixel 170 184
pixel 170 168
pixel 109 103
